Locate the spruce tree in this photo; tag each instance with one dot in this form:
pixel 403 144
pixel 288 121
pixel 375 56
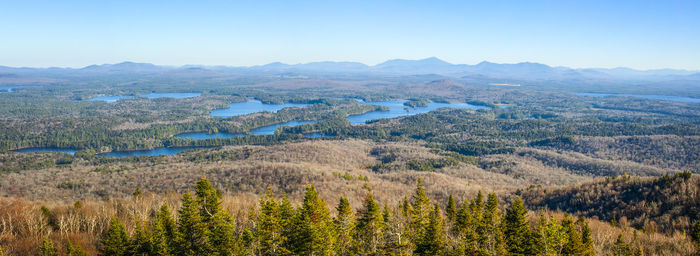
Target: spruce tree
pixel 406 207
pixel 420 211
pixel 451 210
pixel 269 229
pixel 491 237
pixel 540 245
pixel 516 229
pixel 386 215
pixel 695 234
pixel 370 227
pixel 465 230
pixel 192 232
pixel 574 242
pixel 222 236
pixel 556 236
pixel 345 228
pixel 620 248
pixel 586 238
pixel 288 220
pixel 433 240
pixel 47 248
pixel 315 228
pixel 115 241
pixel 208 198
pixel 72 250
pixel 140 243
pixel 164 232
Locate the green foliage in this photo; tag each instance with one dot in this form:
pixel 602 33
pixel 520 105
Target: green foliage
pixel 164 232
pixel 516 228
pixel 115 241
pixel 345 228
pixel 370 227
pixel 621 248
pixel 47 248
pixel 270 228
pixel 141 243
pixel 432 241
pixel 476 228
pixel 695 234
pixel 314 227
pixel 193 234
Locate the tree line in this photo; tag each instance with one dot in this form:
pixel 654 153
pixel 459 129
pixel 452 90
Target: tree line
pixel 417 226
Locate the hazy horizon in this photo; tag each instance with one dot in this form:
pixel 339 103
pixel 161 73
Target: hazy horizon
pixel 593 34
pixel 335 61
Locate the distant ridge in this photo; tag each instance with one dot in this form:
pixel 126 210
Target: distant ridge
pixel 428 67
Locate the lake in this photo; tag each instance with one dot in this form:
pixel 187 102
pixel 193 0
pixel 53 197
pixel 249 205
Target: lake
pixel 249 107
pixel 315 135
pixel 175 95
pixel 398 109
pixel 270 129
pixel 206 136
pixel 265 130
pixel 108 99
pixel 6 89
pixel 57 150
pixel 642 96
pixel 150 152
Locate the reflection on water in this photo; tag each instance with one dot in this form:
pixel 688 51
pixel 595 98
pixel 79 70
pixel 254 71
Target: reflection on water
pixel 270 129
pixel 175 95
pixel 204 135
pixel 397 109
pixel 642 96
pixel 249 107
pixel 57 150
pixel 108 99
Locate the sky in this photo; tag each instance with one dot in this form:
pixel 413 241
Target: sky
pixel 638 34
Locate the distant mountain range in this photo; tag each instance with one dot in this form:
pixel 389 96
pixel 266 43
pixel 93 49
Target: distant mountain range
pixel 524 71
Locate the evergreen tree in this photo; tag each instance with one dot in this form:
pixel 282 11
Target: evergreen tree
pixel 465 230
pixel 491 237
pixel 420 212
pixel 370 226
pixel 451 210
pixel 115 241
pixel 315 227
pixel 222 234
pixel 192 234
pixel 140 242
pixel 586 238
pixel 620 248
pixel 433 240
pixel 574 242
pixel 208 198
pixel 73 250
pixel 269 228
pixel 406 207
pixel 345 228
pixel 164 232
pixel 556 237
pixel 288 220
pixel 516 229
pixel 540 245
pixel 47 248
pixel 695 234
pixel 386 215
pixel 2 252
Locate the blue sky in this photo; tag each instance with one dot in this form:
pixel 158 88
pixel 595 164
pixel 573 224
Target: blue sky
pixel 638 34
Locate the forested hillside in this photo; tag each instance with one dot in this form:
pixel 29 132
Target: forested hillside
pixel 206 222
pixel 664 204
